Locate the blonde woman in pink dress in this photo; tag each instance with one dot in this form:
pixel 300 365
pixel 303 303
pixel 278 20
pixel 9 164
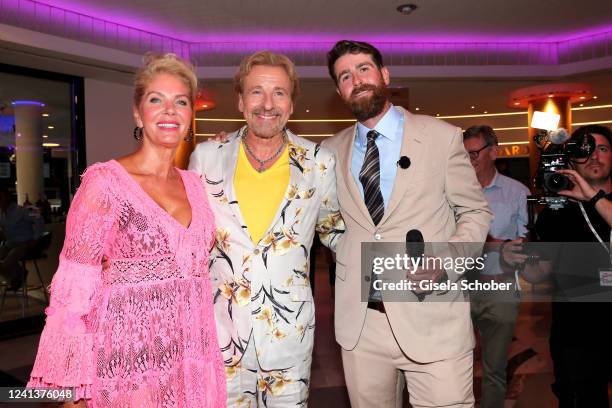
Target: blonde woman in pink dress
pixel 130 322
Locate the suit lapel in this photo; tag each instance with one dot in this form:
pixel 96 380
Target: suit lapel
pixel 412 147
pixel 345 157
pixel 230 160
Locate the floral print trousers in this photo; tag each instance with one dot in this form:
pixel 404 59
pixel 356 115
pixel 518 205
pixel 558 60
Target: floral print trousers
pixel 249 386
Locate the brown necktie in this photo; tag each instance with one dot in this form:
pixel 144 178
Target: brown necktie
pixel 370 179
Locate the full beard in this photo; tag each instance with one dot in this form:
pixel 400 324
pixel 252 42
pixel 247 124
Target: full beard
pixel 364 108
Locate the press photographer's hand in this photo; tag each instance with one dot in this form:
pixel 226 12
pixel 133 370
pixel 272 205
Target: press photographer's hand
pixel 220 137
pixel 581 190
pixel 512 254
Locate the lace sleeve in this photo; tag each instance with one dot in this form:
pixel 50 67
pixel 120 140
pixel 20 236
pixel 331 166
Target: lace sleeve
pixel 65 357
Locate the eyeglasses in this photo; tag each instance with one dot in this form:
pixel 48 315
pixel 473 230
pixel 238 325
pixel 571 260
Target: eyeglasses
pixel 475 153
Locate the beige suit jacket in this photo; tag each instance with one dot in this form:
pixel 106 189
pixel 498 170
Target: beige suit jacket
pixel 439 195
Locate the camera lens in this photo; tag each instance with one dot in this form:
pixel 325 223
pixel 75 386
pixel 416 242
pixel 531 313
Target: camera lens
pixel 580 147
pixel 556 182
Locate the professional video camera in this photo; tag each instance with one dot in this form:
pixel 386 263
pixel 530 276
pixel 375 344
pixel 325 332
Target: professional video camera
pixel 557 151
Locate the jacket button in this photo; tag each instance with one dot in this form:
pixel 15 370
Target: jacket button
pixel 377 237
pixel 256 252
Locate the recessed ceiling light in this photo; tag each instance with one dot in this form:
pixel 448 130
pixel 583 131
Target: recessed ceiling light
pixel 417 108
pixel 50 127
pixel 205 106
pixel 472 107
pixel 583 97
pixel 46 115
pixel 595 97
pixel 50 144
pixel 307 110
pixel 516 103
pixel 406 9
pixel 45 136
pixel 582 104
pixel 550 95
pixel 486 112
pixel 437 114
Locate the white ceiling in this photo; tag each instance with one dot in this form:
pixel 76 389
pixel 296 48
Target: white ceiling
pixel 454 20
pixel 329 20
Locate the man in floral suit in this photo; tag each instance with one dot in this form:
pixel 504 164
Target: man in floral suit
pixel 269 190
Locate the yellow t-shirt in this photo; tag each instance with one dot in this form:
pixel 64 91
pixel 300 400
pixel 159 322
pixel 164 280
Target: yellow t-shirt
pixel 260 194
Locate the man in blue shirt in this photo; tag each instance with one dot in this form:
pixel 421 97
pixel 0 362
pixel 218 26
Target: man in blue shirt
pixel 494 312
pixel 400 174
pixel 390 127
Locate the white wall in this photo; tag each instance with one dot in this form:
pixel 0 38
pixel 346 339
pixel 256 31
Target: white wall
pixel 108 120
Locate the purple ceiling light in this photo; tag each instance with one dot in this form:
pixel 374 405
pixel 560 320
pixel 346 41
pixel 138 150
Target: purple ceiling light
pixel 160 28
pixel 68 19
pixel 27 103
pixel 79 26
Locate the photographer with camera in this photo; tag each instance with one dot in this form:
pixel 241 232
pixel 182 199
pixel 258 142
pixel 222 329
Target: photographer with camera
pixel 580 329
pixel 494 312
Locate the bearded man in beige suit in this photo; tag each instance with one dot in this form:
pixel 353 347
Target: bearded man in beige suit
pixel 395 172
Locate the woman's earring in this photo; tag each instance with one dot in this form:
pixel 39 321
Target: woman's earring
pixel 138 133
pixel 189 136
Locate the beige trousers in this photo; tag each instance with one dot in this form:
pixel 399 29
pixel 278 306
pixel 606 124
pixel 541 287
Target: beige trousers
pixel 371 372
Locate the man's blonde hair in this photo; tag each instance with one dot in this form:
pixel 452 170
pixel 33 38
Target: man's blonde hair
pixel 270 59
pixel 155 64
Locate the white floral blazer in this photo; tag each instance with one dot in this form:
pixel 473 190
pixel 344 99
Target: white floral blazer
pixel 263 290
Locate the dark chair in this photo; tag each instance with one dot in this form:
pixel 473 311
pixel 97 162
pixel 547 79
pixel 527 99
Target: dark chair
pixel 4 288
pixel 36 253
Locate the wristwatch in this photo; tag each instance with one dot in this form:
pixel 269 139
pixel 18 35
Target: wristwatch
pixel 600 194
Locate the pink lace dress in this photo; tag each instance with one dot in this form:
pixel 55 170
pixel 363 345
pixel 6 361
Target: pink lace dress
pixel 140 332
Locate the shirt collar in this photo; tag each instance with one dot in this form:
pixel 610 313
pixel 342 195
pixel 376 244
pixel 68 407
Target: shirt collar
pixel 494 181
pixel 386 126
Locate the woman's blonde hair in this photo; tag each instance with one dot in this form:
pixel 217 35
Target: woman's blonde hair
pixel 155 64
pixel 271 59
